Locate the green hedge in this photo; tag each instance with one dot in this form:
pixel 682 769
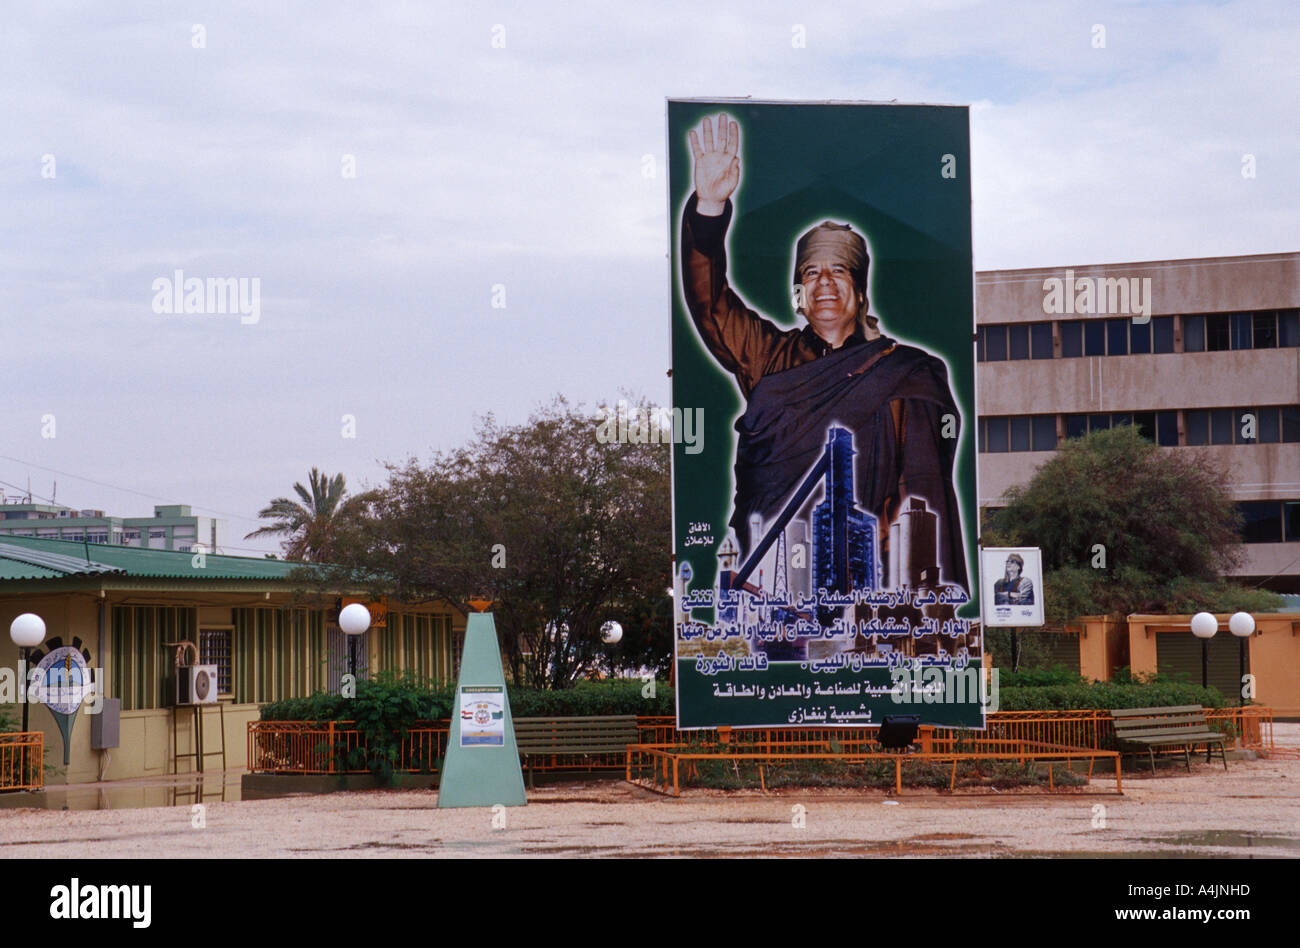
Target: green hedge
pixel 1107 695
pixel 1053 690
pixel 434 703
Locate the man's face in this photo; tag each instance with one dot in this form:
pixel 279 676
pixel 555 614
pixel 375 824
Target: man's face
pixel 830 300
pixel 1013 570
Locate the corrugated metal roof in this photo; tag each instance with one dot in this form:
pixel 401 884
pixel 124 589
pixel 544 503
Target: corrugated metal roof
pixel 32 558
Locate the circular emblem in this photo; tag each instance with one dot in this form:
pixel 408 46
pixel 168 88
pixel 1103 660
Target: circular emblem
pixel 202 685
pixel 65 679
pixel 482 715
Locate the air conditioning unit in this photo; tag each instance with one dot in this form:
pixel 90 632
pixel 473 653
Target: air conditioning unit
pixel 196 684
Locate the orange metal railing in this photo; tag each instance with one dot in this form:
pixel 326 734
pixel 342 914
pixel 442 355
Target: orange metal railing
pixel 300 747
pixel 336 747
pixel 22 760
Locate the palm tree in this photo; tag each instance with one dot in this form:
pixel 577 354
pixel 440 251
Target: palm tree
pixel 310 526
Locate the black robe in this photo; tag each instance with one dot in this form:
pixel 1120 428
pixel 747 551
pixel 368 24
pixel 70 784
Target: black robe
pixel 783 433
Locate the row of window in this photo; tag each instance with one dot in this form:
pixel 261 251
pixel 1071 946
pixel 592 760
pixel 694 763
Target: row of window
pixel 1222 331
pixel 1270 521
pixel 1271 424
pixel 269 653
pixel 1263 521
pixel 1264 329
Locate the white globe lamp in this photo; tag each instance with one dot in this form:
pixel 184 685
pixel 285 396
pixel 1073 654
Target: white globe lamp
pixel 354 619
pixel 1204 625
pixel 28 630
pixel 1242 624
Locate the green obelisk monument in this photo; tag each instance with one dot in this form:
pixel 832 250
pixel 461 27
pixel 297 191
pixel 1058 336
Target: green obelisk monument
pixel 482 763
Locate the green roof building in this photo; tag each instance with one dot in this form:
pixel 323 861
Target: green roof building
pixel 261 622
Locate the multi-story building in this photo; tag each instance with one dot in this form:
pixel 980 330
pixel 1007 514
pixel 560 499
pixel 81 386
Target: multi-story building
pixel 172 527
pixel 1201 353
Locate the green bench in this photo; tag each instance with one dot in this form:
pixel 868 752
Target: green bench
pixel 602 734
pixel 1153 729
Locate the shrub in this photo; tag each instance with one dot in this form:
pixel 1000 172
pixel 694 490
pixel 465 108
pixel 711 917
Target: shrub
pixel 1106 695
pixel 434 702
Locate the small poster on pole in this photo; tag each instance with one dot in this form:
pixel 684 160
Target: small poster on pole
pixel 482 716
pixel 1011 580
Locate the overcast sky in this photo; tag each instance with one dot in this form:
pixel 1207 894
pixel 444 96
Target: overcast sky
pixel 499 143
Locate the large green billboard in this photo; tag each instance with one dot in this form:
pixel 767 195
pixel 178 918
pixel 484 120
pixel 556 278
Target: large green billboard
pixel 822 327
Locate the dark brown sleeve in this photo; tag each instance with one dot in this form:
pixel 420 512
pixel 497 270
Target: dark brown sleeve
pixel 740 339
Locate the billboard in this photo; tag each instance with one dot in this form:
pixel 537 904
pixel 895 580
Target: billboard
pixel 822 321
pixel 1012 586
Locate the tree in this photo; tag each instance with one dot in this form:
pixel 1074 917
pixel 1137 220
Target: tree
pixel 311 528
pixel 561 531
pixel 1126 526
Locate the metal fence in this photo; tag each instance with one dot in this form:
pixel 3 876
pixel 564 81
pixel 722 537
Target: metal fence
pixel 298 747
pixel 22 760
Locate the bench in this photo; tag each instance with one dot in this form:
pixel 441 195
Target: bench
pixel 602 734
pixel 1183 726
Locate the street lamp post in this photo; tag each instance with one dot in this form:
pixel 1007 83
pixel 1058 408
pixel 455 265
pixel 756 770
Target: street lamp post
pixel 1242 625
pixel 611 633
pixel 354 619
pixel 1204 625
pixel 27 631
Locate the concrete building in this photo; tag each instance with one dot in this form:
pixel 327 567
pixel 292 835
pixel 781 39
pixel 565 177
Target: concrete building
pixel 172 526
pixel 1200 354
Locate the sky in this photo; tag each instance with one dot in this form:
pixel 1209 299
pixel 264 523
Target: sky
pixel 455 209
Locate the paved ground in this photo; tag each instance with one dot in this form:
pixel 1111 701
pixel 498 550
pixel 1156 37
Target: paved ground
pixel 1253 810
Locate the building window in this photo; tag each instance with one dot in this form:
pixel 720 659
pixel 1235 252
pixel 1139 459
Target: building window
pixel 1117 337
pixel 1268 424
pixel 1002 433
pixel 1198 427
pixel 1167 429
pixel 1218 333
pixel 1040 338
pixel 1094 338
pixel 1076 426
pixel 997 440
pixel 1291 520
pixel 1020 433
pixel 995 344
pixel 1193 333
pixel 143 673
pixel 1162 334
pixel 1261 521
pixel 1018 342
pixel 1291 423
pixel 1288 328
pixel 215 649
pixel 1072 339
pixel 1221 426
pixel 1140 338
pixel 1241 334
pixel 1044 432
pixel 1264 330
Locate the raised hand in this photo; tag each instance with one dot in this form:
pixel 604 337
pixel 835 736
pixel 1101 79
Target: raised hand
pixel 717 167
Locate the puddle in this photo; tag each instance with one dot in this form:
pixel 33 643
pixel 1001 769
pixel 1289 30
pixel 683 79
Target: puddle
pixel 1225 838
pixel 185 790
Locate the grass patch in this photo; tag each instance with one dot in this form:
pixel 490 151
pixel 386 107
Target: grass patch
pixel 878 775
